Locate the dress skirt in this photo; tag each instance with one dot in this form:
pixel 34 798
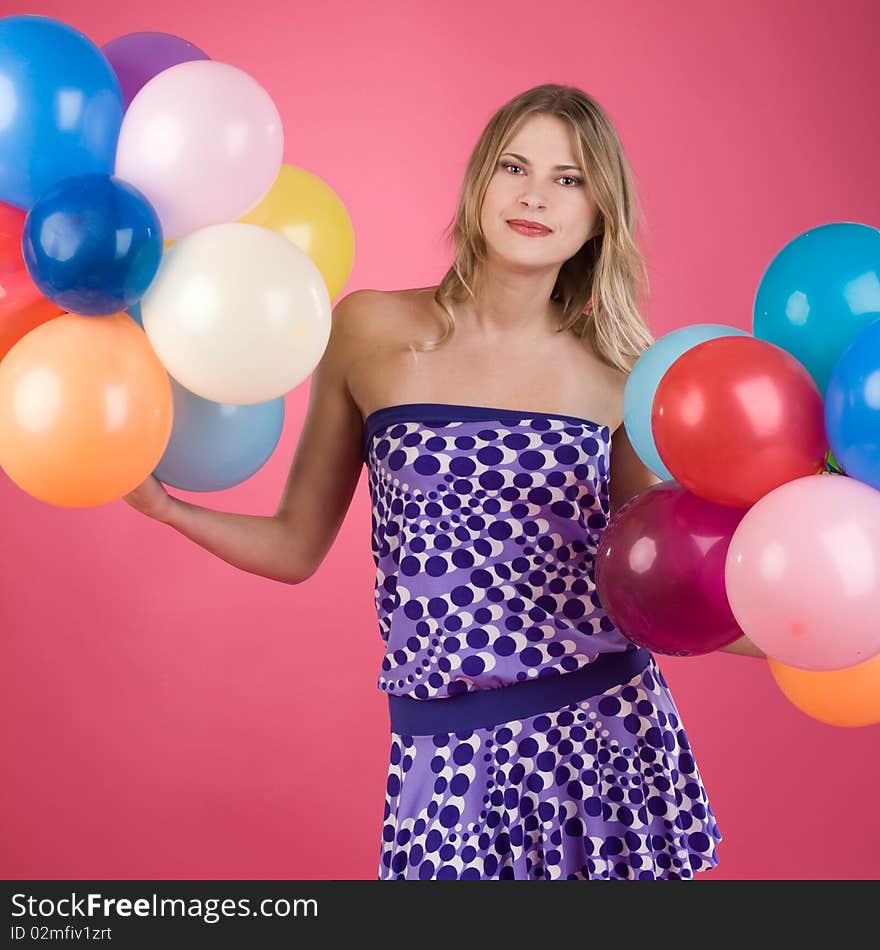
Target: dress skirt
pixel 585 775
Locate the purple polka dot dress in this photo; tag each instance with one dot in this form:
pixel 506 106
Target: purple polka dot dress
pixel 529 738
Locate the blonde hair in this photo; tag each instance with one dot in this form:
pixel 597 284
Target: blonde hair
pixel 599 286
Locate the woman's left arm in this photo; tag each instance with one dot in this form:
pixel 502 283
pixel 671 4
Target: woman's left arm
pixel 630 477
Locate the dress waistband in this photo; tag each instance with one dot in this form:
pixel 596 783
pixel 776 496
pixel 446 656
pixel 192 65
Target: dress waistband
pixel 489 707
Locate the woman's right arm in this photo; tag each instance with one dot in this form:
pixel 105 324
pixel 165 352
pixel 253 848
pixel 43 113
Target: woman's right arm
pixel 289 545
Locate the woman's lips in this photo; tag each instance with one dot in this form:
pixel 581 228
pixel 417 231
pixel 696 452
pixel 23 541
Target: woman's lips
pixel 530 230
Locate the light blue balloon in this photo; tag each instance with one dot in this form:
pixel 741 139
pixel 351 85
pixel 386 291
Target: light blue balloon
pixel 217 445
pixel 60 107
pixel 818 292
pixel 641 386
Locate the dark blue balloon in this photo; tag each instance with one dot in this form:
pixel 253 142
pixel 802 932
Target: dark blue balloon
pixel 852 407
pixel 60 107
pixel 217 445
pixel 92 244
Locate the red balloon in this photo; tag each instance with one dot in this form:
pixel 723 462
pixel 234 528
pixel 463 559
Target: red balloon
pixel 735 417
pixel 660 571
pixel 22 306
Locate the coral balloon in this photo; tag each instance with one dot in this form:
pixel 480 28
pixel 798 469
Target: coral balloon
pixel 803 573
pixel 736 417
pixel 304 209
pixel 660 571
pixel 85 410
pixel 848 697
pixel 203 141
pixel 237 314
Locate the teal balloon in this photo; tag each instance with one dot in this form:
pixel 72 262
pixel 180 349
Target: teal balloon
pixel 818 293
pixel 134 311
pixel 642 383
pixel 60 107
pixel 217 445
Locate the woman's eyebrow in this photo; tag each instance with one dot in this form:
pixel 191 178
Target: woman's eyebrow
pixel 559 168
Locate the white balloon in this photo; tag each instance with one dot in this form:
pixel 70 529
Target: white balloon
pixel 237 313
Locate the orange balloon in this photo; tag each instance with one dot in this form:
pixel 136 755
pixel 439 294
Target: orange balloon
pixel 847 697
pixel 86 410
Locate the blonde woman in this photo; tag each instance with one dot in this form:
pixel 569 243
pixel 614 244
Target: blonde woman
pixel 529 738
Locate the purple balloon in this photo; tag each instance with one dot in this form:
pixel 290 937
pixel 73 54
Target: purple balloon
pixel 137 57
pixel 660 571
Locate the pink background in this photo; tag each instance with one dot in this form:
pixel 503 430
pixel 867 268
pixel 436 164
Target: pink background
pixel 167 716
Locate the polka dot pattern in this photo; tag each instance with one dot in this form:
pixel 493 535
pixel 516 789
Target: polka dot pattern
pixel 484 527
pixel 606 788
pixel 485 523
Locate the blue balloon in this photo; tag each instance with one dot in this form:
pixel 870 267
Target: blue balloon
pixel 92 244
pixel 134 311
pixel 642 383
pixel 60 107
pixel 818 292
pixel 852 407
pixel 217 445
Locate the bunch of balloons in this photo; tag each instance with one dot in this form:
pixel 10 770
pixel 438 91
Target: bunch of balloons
pixel 164 277
pixel 767 521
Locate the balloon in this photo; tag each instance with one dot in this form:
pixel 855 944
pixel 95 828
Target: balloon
pixel 852 407
pixel 237 313
pixel 85 410
pixel 642 382
pixel 847 697
pixel 735 417
pixel 60 107
pixel 137 57
pixel 305 210
pixel 215 446
pixel 818 292
pixel 660 571
pixel 203 141
pixel 803 573
pixel 92 244
pixel 22 306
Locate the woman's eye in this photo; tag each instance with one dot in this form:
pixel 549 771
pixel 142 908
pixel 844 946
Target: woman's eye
pixel 571 178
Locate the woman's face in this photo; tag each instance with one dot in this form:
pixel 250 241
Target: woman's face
pixel 528 185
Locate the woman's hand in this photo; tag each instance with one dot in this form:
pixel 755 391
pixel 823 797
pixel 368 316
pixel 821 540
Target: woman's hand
pixel 151 499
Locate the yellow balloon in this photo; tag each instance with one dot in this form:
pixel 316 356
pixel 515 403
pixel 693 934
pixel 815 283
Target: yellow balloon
pixel 304 209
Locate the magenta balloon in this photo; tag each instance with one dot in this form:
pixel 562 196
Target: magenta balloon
pixel 660 571
pixel 137 57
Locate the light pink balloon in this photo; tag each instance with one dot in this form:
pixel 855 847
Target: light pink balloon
pixel 203 141
pixel 803 572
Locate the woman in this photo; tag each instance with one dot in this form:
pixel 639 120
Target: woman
pixel 529 738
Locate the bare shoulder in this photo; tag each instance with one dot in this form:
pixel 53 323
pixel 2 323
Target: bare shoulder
pixel 371 316
pixel 380 326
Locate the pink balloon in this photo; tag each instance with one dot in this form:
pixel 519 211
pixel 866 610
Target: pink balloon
pixel 203 141
pixel 660 571
pixel 803 572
